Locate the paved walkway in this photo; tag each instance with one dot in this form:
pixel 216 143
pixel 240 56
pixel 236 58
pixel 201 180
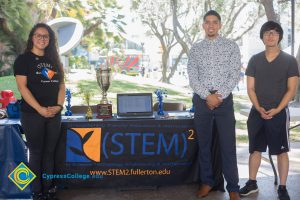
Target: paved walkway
pixel 183 192
pixel 268 191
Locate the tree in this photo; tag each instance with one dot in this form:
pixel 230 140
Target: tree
pixel 186 19
pixel 230 28
pixel 188 33
pixel 100 19
pixel 156 16
pixel 15 23
pixel 18 17
pixel 270 11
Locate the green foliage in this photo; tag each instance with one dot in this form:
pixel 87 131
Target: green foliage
pixel 87 96
pixel 17 19
pixel 16 14
pixel 15 23
pixel 135 4
pixel 80 62
pixel 100 19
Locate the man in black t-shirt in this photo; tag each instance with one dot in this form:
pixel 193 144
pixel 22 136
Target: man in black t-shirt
pixel 272 79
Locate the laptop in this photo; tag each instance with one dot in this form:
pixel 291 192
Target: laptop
pixel 134 106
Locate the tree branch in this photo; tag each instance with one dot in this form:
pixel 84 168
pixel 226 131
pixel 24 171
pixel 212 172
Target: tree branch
pixel 232 21
pixel 174 67
pixel 259 15
pixel 230 14
pixel 176 24
pixel 92 28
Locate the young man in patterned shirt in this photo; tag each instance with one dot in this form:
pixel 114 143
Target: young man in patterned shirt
pixel 272 79
pixel 214 71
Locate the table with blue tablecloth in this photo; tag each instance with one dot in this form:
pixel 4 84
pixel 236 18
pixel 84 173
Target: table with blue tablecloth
pixel 124 153
pixel 114 153
pixel 13 151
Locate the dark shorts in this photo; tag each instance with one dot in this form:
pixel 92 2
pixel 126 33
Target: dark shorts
pixel 272 133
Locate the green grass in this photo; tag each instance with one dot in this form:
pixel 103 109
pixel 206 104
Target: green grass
pixel 9 83
pixel 118 86
pixel 295 135
pixel 237 106
pixel 241 124
pixel 242 139
pixel 121 87
pixel 241 97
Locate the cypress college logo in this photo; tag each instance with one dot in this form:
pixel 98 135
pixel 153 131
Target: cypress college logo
pixel 83 145
pixel 21 176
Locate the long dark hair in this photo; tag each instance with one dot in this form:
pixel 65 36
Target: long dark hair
pixel 51 51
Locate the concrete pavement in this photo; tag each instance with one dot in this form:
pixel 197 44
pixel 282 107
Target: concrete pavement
pixel 265 180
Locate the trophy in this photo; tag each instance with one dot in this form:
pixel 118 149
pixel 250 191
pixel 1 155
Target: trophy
pixel 87 97
pixel 68 106
pixel 104 109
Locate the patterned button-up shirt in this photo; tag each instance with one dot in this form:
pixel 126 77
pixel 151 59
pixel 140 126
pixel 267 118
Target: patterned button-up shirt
pixel 214 65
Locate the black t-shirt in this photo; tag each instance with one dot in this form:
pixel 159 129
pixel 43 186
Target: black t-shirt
pixel 43 79
pixel 271 77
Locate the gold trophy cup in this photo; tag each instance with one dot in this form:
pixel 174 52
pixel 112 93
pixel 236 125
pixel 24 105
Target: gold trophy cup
pixel 87 97
pixel 104 109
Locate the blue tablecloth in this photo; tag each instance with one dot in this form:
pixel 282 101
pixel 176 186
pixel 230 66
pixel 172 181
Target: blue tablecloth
pixel 13 151
pixel 126 153
pixel 172 135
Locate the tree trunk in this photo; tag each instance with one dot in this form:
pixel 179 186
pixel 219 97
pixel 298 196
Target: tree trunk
pixel 174 67
pixel 54 10
pixel 164 65
pixel 298 57
pixel 297 98
pixel 269 8
pixel 176 26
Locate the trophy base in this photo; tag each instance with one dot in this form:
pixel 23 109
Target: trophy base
pixel 104 111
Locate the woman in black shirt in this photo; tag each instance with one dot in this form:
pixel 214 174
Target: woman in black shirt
pixel 40 79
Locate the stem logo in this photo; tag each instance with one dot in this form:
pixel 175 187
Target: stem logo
pixel 21 176
pixel 83 145
pixel 47 73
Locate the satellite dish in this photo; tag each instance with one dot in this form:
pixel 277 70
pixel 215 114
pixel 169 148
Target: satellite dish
pixel 69 33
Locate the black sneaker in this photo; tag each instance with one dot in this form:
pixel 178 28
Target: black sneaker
pixel 249 188
pixel 283 193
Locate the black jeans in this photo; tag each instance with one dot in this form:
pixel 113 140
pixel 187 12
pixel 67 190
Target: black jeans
pixel 42 135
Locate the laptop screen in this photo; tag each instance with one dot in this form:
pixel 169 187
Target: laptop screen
pixel 134 104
